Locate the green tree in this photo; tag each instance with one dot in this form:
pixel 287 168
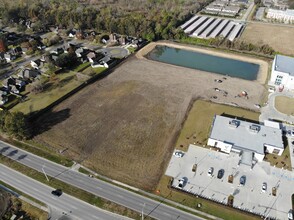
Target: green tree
pixel 16 125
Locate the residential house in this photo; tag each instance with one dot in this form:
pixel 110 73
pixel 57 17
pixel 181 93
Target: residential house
pixel 3 97
pixel 9 57
pixel 17 51
pixel 28 73
pixel 37 64
pixel 72 33
pixel 8 82
pixel 2 57
pixel 104 62
pixel 58 51
pixel 20 83
pixel 14 89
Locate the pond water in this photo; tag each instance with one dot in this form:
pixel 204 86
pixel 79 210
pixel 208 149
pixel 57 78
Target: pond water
pixel 205 62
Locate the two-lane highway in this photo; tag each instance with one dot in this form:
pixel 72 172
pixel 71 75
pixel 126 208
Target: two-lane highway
pixel 64 205
pixel 95 186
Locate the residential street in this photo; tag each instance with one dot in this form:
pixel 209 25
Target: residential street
pixel 64 205
pixel 97 187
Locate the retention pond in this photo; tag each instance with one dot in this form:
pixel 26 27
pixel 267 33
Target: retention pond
pixel 205 62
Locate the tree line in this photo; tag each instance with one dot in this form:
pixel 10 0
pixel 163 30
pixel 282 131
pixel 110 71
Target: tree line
pixel 150 19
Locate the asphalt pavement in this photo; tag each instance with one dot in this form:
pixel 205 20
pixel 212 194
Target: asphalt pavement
pixel 64 205
pixel 155 209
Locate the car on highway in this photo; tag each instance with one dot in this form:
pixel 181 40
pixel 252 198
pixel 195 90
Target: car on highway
pixel 242 180
pixel 178 154
pixel 264 187
pixel 210 171
pixel 57 192
pixel 220 173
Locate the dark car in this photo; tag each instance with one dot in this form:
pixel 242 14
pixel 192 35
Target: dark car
pixel 242 180
pixel 57 192
pixel 220 173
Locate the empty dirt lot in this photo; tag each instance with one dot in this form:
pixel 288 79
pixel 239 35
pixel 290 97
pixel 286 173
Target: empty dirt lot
pixel 278 37
pixel 124 126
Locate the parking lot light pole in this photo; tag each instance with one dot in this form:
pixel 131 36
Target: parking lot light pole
pixel 45 172
pixel 143 211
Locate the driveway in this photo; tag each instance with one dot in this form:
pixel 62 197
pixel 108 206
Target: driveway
pixel 248 197
pixel 270 112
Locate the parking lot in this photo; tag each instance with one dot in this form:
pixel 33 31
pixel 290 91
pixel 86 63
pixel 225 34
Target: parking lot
pixel 249 196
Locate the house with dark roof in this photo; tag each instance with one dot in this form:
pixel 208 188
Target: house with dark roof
pixel 28 73
pixel 37 64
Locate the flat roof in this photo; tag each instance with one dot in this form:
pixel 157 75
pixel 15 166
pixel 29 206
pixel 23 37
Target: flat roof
pixel 245 135
pixel 284 64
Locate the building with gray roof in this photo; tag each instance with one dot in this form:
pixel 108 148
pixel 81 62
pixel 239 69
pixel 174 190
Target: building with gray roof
pixel 245 138
pixel 282 72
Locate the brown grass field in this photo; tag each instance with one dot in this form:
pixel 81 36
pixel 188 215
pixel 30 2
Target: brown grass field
pixel 285 105
pixel 125 125
pixel 278 37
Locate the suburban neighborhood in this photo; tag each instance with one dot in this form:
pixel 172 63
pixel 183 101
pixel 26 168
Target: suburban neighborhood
pixel 147 109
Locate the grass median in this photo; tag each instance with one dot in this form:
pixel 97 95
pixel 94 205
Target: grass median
pixel 71 190
pixel 40 151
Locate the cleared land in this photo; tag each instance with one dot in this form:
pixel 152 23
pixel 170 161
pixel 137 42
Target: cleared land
pixel 125 125
pixel 278 37
pixel 285 105
pixel 198 124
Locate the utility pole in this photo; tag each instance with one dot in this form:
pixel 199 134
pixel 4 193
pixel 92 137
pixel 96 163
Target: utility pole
pixel 45 172
pixel 143 211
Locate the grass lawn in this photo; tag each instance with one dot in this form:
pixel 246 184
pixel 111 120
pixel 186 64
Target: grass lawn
pixel 131 49
pixel 93 71
pixel 273 35
pixel 32 211
pixel 280 161
pixel 207 206
pixel 198 123
pixel 285 105
pixel 81 67
pixel 61 85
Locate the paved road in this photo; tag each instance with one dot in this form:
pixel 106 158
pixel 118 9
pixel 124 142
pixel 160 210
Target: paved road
pixel 270 112
pixel 97 187
pixel 64 205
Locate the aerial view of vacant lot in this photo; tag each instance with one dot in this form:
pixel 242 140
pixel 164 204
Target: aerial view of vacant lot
pixel 275 36
pixel 125 126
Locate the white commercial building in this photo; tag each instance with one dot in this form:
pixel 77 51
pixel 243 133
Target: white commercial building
pixel 250 140
pixel 286 16
pixel 283 72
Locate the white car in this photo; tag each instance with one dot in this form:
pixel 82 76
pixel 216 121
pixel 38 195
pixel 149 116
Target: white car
pixel 210 171
pixel 181 183
pixel 178 154
pixel 264 187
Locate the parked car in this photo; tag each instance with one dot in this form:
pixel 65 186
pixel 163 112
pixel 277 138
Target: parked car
pixel 210 171
pixel 178 154
pixel 181 183
pixel 220 173
pixel 264 187
pixel 57 192
pixel 242 180
pixel 290 214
